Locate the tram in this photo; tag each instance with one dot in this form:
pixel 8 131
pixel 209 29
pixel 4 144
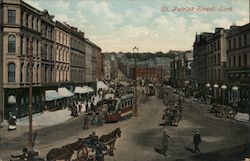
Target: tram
pixel 120 109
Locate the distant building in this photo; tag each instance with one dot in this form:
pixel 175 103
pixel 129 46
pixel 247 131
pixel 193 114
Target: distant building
pixel 99 64
pixel 110 66
pixel 199 67
pixel 181 71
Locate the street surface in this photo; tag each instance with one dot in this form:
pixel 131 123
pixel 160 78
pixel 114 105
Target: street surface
pixel 140 135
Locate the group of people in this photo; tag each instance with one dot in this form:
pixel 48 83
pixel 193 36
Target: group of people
pixel 196 141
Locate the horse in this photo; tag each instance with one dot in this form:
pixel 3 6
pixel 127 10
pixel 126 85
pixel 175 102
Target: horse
pixel 110 138
pixel 63 153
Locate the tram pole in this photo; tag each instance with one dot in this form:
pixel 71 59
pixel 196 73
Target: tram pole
pixel 30 54
pixel 135 56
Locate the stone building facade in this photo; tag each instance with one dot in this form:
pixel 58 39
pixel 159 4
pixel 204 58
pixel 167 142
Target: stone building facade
pixel 99 64
pixel 62 52
pixel 238 66
pixel 47 48
pixel 77 56
pixel 20 23
pixel 216 64
pixel 58 58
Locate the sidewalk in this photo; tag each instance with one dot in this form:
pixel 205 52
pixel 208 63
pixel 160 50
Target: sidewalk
pixel 47 118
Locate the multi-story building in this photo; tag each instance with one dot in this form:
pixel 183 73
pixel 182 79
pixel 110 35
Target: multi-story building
pixel 77 56
pixel 216 64
pixel 199 67
pixel 47 48
pixel 107 67
pixel 62 52
pixel 181 71
pixel 56 50
pixel 88 61
pixel 164 64
pixel 152 74
pixel 99 64
pixel 238 66
pixel 21 26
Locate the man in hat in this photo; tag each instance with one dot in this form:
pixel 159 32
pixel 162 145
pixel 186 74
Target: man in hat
pixel 164 142
pixel 197 141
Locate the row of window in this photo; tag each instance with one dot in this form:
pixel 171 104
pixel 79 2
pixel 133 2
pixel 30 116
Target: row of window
pixel 214 74
pixel 240 60
pixel 62 75
pixel 30 21
pixel 62 37
pixel 213 60
pixel 213 46
pixel 77 44
pixel 77 75
pixel 12 73
pixel 126 103
pixel 237 42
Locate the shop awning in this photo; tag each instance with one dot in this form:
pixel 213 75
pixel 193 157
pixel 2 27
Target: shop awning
pixel 101 84
pixel 64 92
pixel 51 95
pixel 84 89
pixel 89 89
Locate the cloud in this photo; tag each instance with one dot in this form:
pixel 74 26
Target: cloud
pixel 102 10
pixel 222 22
pixel 63 18
pixel 61 4
pixel 33 3
pixel 243 21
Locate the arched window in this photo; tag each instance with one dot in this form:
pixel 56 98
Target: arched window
pixel 11 72
pixel 11 44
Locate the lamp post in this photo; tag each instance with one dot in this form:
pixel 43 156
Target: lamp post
pixel 235 95
pixel 30 55
pixel 215 92
pixel 135 51
pixel 223 87
pixel 208 87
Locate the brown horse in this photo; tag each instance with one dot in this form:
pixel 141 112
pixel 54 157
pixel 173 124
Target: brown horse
pixel 110 139
pixel 65 152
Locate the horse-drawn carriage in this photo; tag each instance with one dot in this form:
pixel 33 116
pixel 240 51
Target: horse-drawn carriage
pixel 172 115
pixel 91 148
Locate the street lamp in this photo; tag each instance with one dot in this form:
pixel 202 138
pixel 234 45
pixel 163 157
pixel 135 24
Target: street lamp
pixel 135 51
pixel 224 88
pixel 235 94
pixel 215 92
pixel 208 87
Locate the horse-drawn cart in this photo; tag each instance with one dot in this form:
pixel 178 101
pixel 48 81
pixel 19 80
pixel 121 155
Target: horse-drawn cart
pixel 172 116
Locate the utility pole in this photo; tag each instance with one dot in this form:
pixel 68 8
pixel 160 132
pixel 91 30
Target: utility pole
pixel 146 64
pixel 135 56
pixel 30 54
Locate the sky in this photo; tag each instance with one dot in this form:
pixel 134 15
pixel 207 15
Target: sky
pixel 150 25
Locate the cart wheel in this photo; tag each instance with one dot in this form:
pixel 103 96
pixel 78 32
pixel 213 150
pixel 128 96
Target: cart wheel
pixel 82 154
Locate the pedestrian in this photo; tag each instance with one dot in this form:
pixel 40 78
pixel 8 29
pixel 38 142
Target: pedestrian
pixel 79 108
pixel 165 137
pixel 197 141
pixel 12 123
pixel 87 106
pixel 86 122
